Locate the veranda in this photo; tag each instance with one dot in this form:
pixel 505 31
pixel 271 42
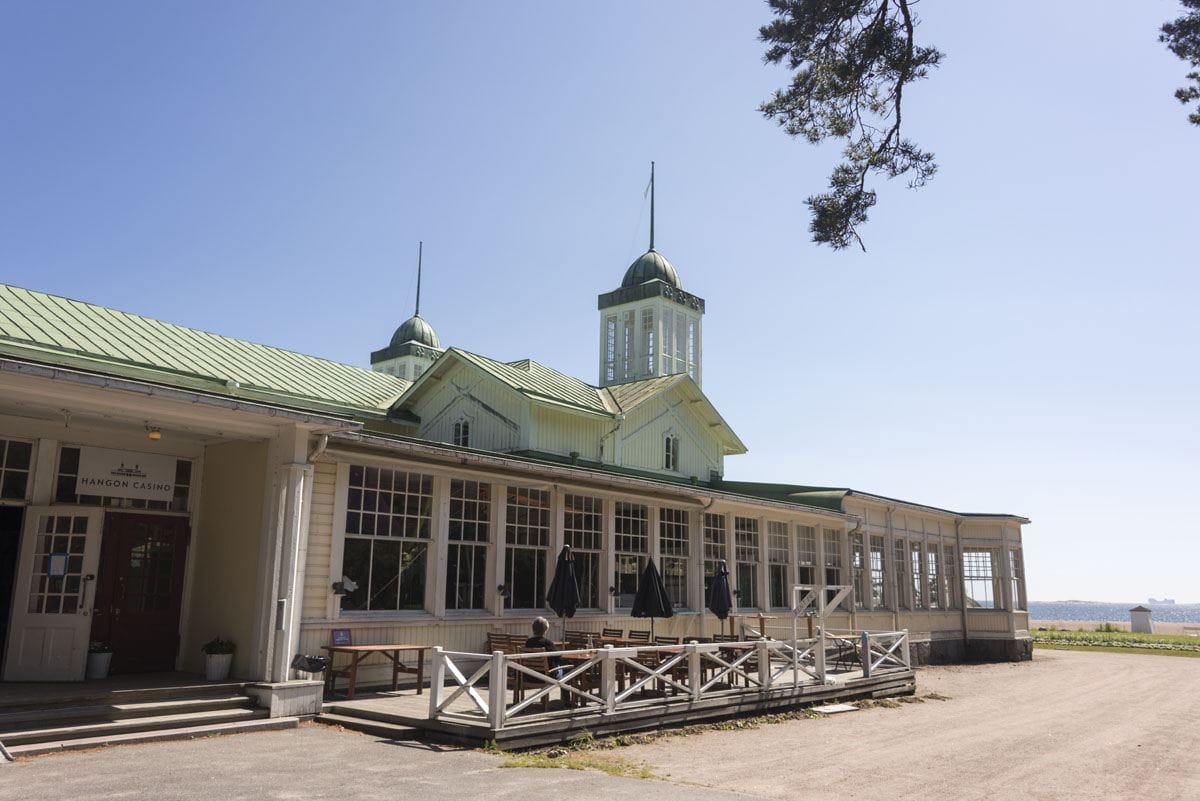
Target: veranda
pixel 523 699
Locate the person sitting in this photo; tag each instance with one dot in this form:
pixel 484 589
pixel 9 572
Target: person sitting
pixel 540 641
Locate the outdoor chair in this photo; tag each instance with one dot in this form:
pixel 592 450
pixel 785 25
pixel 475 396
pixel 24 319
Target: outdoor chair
pixel 579 639
pixel 541 665
pixel 618 634
pixel 639 636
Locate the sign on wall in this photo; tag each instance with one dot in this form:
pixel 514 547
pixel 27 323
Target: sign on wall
pixel 125 474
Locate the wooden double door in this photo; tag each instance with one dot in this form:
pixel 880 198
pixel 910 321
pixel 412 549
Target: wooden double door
pixel 139 590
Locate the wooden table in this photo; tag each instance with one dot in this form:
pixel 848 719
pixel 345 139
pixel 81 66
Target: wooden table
pixel 358 653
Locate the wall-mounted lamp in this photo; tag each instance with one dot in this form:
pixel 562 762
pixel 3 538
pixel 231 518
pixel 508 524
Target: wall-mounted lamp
pixel 612 590
pixel 504 591
pixel 153 433
pixel 345 586
pixel 736 593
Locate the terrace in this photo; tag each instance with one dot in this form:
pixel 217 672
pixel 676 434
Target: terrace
pixel 607 684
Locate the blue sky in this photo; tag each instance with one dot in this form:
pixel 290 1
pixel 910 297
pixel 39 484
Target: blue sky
pixel 1021 335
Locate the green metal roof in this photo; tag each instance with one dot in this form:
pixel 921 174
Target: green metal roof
pixel 547 385
pixel 53 330
pixel 832 497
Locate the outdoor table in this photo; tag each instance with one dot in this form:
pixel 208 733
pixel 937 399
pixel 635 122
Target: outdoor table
pixel 358 653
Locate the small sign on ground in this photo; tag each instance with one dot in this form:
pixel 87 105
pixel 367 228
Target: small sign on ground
pixel 833 709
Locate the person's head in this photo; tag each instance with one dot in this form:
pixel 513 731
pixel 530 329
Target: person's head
pixel 540 626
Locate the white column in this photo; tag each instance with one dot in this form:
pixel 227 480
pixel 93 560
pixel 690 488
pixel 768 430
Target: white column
pixel 439 548
pixel 499 513
pixel 608 564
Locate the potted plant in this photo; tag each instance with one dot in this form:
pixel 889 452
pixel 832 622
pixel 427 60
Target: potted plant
pixel 218 657
pixel 98 660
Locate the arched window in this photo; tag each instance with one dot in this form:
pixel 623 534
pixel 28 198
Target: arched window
pixel 671 452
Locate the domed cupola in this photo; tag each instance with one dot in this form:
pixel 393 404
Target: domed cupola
pixel 415 329
pixel 649 266
pixel 649 326
pixel 414 346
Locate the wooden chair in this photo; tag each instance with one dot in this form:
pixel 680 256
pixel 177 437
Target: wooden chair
pixel 668 641
pixel 618 634
pixel 542 666
pixel 639 636
pixel 579 639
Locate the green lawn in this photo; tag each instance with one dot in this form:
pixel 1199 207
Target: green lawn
pixel 1117 642
pixel 1116 649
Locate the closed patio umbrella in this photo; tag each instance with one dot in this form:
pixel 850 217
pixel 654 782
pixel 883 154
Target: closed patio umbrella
pixel 563 596
pixel 720 599
pixel 651 600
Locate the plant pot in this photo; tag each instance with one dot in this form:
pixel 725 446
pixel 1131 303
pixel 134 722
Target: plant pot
pixel 216 666
pixel 97 665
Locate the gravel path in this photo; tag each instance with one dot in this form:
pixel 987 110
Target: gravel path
pixel 1069 725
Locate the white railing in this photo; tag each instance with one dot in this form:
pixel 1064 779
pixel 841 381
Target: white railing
pixel 469 686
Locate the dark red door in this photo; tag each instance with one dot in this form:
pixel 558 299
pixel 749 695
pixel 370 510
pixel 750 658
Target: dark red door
pixel 139 589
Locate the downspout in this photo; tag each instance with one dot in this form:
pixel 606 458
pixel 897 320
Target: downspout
pixel 620 418
pixel 318 449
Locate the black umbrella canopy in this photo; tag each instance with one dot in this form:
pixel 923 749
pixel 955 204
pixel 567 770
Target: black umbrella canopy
pixel 651 600
pixel 720 599
pixel 563 596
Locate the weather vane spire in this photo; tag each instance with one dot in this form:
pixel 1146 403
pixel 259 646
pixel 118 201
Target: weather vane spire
pixel 652 205
pixel 420 248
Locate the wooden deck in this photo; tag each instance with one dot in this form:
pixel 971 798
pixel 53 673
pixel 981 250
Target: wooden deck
pixel 466 725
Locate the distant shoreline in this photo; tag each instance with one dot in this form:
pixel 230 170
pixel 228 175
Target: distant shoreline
pixel 1054 612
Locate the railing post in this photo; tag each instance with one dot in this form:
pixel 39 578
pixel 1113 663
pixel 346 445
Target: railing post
pixel 695 679
pixel 608 679
pixel 819 656
pixel 865 654
pixel 907 658
pixel 497 690
pixel 437 680
pixel 764 664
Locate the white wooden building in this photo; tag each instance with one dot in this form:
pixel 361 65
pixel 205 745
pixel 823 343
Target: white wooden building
pixel 286 496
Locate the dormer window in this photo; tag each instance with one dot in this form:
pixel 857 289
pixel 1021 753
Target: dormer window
pixel 671 453
pixel 462 433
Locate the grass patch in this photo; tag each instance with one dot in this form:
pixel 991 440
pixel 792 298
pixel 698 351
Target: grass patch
pixel 1112 637
pixel 1117 649
pixel 577 760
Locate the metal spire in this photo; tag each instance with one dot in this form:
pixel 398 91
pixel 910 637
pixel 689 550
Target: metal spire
pixel 652 205
pixel 420 248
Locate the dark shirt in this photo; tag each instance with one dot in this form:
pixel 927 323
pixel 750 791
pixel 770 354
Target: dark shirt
pixel 545 645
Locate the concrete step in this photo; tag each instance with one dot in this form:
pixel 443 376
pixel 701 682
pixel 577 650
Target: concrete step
pixel 29 718
pixel 18 698
pixel 116 727
pixel 377 728
pixel 178 733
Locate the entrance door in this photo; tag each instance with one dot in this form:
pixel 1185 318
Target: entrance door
pixel 140 590
pixel 52 605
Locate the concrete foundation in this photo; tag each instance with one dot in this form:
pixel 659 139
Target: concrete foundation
pixel 1017 650
pixel 300 699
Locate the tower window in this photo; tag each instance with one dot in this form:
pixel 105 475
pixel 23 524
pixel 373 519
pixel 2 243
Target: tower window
pixel 402 371
pixel 610 349
pixel 648 337
pixel 671 452
pixel 462 433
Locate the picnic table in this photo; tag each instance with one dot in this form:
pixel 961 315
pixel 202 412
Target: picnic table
pixel 358 653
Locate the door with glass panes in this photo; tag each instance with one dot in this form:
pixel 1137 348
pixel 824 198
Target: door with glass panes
pixel 54 593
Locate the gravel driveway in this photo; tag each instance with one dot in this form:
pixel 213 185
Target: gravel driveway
pixel 1069 725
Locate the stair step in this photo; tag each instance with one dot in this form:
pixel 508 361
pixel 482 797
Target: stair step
pixel 17 698
pixel 109 728
pixel 178 733
pixel 39 717
pixel 377 728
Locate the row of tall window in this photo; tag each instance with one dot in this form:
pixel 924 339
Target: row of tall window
pixel 635 350
pixel 389 524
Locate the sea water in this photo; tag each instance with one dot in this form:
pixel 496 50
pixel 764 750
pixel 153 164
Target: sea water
pixel 1104 610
